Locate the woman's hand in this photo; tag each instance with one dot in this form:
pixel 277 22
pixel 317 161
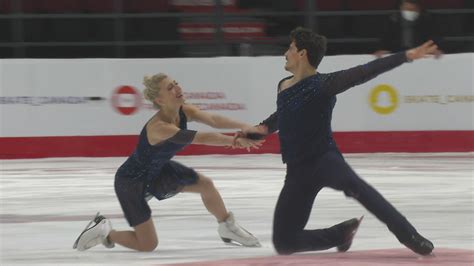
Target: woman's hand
pixel 245 143
pixel 258 132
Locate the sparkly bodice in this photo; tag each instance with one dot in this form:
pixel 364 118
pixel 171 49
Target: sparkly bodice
pixel 146 161
pixel 304 110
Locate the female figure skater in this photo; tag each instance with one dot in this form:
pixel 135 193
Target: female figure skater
pixel 150 172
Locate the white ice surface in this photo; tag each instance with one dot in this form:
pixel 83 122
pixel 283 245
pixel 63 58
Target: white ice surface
pixel 45 203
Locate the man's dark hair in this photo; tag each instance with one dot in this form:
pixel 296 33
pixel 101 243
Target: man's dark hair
pixel 314 44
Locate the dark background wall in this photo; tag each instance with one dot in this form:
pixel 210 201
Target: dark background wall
pixel 180 28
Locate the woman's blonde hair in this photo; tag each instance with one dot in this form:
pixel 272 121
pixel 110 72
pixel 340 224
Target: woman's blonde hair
pixel 152 89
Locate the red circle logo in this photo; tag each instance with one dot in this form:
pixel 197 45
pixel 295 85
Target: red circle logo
pixel 126 100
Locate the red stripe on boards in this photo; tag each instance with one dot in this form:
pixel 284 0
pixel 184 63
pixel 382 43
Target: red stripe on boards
pixel 348 142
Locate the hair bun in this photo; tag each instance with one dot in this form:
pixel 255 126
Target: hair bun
pixel 147 81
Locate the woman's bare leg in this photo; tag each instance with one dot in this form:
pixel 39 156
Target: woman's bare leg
pixel 143 238
pixel 210 197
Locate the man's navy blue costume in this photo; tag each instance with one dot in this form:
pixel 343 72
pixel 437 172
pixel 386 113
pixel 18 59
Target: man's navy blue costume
pixel 303 118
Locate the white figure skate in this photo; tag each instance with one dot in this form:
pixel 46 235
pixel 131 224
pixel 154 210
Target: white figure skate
pixel 230 231
pixel 96 234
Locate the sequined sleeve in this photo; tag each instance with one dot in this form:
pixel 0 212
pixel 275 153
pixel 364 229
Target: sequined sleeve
pixel 341 81
pixel 271 123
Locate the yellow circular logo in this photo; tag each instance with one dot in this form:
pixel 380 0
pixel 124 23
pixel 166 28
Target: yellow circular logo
pixel 383 99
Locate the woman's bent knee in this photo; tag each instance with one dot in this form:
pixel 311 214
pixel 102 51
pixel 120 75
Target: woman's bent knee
pixel 148 247
pixel 206 183
pixel 146 237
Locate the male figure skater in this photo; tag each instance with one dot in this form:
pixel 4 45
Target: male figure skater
pixel 303 117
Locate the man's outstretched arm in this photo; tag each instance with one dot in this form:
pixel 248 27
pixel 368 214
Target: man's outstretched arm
pixel 342 80
pixel 270 124
pixel 260 131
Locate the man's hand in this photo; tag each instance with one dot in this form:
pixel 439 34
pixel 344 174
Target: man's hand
pixel 427 49
pixel 257 130
pixel 252 133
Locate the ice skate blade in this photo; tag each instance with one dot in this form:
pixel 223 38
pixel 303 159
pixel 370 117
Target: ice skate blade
pixel 231 242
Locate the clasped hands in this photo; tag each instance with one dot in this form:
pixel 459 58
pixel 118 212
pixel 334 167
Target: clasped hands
pixel 249 138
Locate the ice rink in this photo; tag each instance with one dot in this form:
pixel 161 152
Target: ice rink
pixel 45 203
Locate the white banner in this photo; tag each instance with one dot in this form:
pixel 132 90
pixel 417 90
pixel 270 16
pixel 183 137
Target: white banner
pixel 81 97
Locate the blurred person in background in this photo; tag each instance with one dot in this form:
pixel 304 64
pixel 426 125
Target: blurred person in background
pixel 276 25
pixel 410 27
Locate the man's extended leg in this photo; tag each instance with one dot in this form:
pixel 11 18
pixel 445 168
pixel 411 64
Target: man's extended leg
pixel 339 175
